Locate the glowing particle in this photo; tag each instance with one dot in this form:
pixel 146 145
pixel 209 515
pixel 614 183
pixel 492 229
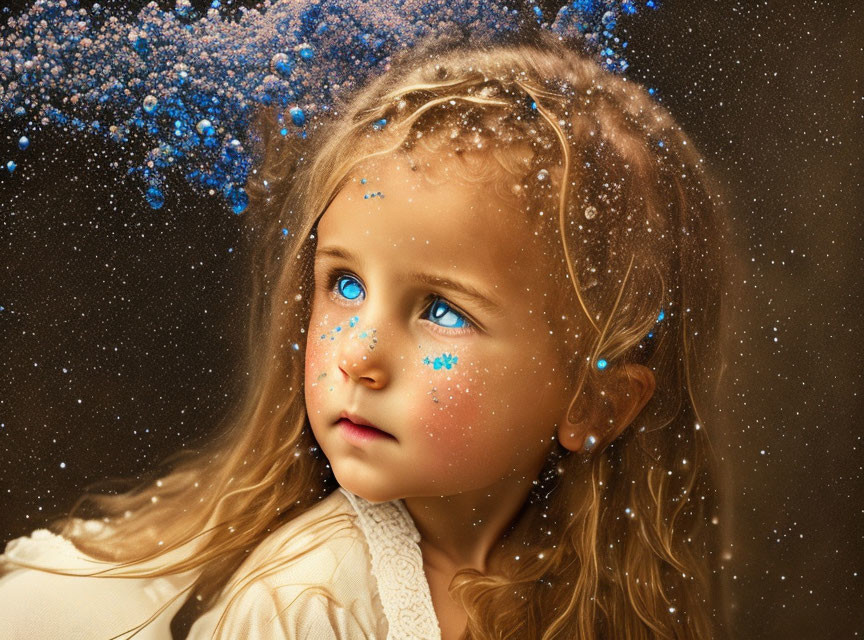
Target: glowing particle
pixel 542 175
pixel 238 199
pixel 150 103
pixel 590 212
pixel 284 231
pixel 205 127
pixel 281 64
pixel 23 143
pixel 11 166
pixel 306 52
pixel 155 197
pixel 297 116
pixel 601 364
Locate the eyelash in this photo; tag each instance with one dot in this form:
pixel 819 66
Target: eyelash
pixel 333 276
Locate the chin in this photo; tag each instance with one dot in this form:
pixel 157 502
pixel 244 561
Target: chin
pixel 362 489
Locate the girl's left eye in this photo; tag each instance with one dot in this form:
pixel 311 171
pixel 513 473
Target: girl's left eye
pixel 347 287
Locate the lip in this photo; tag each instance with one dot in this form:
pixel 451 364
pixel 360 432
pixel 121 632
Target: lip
pixel 357 429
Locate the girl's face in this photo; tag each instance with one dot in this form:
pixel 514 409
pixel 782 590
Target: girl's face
pixel 428 322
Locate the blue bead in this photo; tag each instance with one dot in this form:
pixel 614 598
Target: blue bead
pixel 297 116
pixel 23 143
pixel 601 364
pixel 155 198
pixel 306 52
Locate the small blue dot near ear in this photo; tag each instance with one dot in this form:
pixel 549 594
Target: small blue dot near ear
pixel 601 364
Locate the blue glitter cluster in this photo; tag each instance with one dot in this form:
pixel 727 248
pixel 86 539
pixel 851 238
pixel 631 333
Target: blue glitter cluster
pixel 444 361
pixel 187 84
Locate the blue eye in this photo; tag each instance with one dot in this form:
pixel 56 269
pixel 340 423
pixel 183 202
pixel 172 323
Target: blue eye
pixel 440 309
pixel 440 312
pixel 348 287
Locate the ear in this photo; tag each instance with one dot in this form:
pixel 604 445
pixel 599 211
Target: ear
pixel 607 406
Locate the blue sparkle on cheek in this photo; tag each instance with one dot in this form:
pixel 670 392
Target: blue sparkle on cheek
pixel 353 321
pixel 445 360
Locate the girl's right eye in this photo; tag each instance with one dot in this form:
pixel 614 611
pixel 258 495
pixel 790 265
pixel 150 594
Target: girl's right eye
pixel 345 286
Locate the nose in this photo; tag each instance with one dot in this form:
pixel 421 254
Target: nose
pixel 359 360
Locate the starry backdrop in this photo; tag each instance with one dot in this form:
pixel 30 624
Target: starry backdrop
pixel 121 325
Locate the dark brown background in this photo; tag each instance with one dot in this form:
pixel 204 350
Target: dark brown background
pixel 144 309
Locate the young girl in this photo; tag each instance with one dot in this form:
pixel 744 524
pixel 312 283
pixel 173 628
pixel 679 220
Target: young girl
pixel 479 361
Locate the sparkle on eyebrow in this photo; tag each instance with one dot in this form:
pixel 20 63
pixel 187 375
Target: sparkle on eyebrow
pixel 426 278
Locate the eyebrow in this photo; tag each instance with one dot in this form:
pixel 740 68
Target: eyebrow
pixel 478 296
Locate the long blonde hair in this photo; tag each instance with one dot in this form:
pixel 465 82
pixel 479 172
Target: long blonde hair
pixel 627 544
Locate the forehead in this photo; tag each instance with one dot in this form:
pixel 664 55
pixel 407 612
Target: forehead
pixel 430 216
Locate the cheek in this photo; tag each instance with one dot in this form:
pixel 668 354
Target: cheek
pixel 316 378
pixel 447 411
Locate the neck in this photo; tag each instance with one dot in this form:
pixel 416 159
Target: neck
pixel 459 531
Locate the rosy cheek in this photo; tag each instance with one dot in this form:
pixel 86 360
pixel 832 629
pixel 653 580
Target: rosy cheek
pixel 447 412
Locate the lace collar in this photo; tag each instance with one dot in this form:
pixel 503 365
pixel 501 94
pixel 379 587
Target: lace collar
pixel 397 564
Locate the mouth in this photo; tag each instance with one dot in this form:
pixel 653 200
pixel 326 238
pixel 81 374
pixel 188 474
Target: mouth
pixel 357 427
